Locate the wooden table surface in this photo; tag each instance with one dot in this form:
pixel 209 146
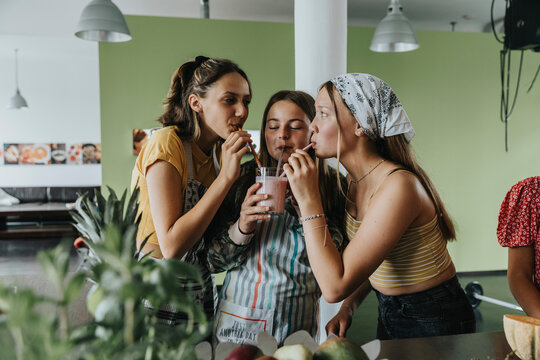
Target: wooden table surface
pixel 35 220
pixel 477 346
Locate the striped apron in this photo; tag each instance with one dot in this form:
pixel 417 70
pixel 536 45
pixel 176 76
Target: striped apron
pixel 274 290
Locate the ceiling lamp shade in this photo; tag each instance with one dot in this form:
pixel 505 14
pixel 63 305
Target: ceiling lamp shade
pixel 102 21
pixel 17 101
pixel 394 33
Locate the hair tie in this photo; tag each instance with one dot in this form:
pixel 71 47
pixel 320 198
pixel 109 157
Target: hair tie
pixel 200 59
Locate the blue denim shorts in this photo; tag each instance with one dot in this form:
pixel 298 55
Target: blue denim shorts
pixel 441 310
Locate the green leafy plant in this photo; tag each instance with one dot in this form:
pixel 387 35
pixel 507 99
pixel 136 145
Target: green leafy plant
pixel 91 218
pixel 121 327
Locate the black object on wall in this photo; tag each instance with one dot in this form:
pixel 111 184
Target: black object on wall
pixel 521 33
pixel 522 25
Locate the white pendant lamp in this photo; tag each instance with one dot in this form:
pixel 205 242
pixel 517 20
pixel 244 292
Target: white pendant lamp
pixel 102 21
pixel 394 33
pixel 17 101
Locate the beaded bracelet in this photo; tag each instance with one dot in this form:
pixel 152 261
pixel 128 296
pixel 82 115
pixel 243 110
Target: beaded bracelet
pixel 311 217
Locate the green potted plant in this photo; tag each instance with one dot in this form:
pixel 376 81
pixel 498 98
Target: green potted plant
pixel 121 326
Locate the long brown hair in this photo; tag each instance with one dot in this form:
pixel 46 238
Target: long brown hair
pixel 193 77
pixel 327 182
pixel 397 149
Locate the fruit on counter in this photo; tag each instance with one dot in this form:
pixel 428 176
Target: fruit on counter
pixel 339 348
pixel 266 357
pixel 523 335
pixel 244 352
pixel 293 352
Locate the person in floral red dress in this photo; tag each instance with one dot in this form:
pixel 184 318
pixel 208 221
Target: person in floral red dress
pixel 519 230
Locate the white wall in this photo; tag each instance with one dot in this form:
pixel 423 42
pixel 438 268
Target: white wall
pixel 59 78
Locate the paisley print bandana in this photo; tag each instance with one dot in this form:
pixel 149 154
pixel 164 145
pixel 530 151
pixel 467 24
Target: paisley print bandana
pixel 375 105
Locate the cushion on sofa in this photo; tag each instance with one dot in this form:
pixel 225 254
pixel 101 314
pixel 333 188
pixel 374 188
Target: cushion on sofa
pixel 69 194
pixel 43 194
pixel 28 194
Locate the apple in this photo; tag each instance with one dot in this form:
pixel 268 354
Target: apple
pixel 244 352
pixel 293 352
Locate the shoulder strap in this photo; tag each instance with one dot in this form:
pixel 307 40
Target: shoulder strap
pixel 387 175
pixel 396 170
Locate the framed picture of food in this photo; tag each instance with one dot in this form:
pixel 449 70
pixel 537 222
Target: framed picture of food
pixel 41 154
pixel 11 154
pixel 58 154
pixel 74 154
pixel 91 153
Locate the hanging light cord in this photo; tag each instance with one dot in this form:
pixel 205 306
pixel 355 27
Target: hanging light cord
pixel 493 22
pixel 505 110
pixel 16 70
pixel 534 79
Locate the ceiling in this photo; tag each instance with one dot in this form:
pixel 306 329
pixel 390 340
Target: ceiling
pixel 59 17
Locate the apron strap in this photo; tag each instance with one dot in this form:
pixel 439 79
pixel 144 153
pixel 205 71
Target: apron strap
pixel 189 158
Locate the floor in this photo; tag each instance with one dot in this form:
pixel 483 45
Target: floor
pixel 18 259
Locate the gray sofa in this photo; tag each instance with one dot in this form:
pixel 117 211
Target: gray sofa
pixel 43 212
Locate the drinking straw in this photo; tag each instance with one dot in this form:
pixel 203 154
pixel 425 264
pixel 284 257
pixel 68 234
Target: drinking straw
pixel 307 147
pixel 279 161
pixel 252 151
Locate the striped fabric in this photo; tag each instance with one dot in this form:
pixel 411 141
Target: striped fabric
pixel 419 255
pixel 277 276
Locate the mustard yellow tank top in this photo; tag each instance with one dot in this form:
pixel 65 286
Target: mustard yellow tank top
pixel 419 255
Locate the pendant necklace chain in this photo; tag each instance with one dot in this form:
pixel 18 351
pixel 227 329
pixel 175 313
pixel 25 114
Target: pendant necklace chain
pixel 369 172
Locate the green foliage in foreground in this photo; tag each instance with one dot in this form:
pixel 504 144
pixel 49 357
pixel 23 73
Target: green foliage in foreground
pixel 36 327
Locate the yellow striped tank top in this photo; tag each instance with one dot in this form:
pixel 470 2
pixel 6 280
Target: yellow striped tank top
pixel 419 255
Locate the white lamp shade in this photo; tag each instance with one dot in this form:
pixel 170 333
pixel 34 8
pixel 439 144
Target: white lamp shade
pixel 17 101
pixel 101 20
pixel 394 33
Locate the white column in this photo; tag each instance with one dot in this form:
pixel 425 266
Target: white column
pixel 320 42
pixel 320 49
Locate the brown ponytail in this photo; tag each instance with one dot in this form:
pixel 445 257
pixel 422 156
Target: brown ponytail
pixel 193 77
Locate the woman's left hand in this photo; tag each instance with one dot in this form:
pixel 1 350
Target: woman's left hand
pixel 339 324
pixel 302 173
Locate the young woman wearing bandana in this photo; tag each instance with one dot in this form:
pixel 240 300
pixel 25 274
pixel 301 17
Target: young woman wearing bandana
pixel 396 222
pixel 178 169
pixel 271 287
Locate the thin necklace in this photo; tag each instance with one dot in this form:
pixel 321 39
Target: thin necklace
pixel 369 172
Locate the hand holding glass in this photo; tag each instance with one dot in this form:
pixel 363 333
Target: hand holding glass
pixel 275 187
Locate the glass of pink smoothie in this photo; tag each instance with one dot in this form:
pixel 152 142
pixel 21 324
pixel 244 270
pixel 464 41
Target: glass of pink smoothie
pixel 275 187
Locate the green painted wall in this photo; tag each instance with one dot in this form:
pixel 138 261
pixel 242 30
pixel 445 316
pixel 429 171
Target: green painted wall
pixel 135 76
pixel 449 87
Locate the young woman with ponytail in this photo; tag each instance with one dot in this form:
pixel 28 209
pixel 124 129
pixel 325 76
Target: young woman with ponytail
pixel 395 220
pixel 185 169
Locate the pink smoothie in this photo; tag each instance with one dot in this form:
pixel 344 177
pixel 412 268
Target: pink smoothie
pixel 275 187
